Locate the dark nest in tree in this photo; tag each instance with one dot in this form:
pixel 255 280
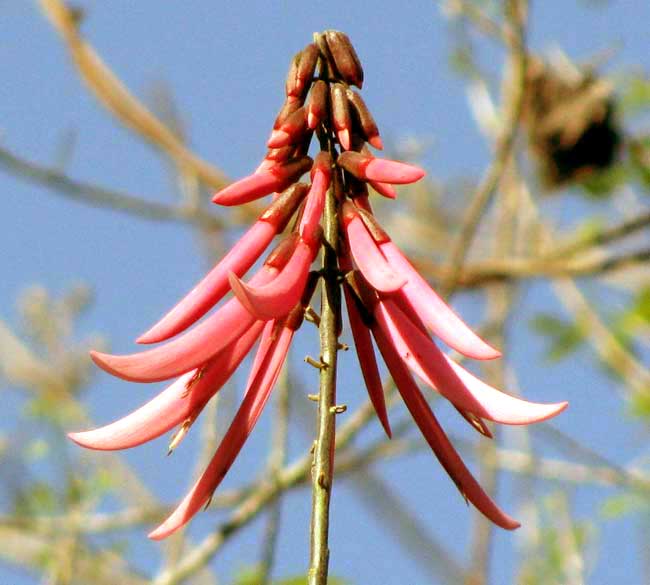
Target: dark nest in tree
pixel 570 116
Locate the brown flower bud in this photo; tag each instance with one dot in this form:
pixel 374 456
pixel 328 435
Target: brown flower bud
pixel 301 71
pixel 322 163
pixel 341 114
pixel 376 231
pixel 288 108
pixel 280 255
pixel 317 104
pixel 280 154
pixel 366 121
pixel 280 211
pixel 291 131
pixel 345 57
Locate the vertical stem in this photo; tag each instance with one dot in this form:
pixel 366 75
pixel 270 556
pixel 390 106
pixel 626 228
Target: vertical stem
pixel 323 466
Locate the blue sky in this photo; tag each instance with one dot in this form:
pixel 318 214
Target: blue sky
pixel 225 64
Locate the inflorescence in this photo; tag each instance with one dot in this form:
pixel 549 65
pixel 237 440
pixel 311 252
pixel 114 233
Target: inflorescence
pixel 385 296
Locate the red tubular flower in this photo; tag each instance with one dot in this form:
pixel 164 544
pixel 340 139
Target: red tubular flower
pixel 385 296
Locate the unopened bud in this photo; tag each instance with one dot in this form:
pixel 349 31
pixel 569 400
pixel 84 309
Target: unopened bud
pixel 372 225
pixel 317 104
pixel 301 71
pixel 323 164
pixel 282 209
pixel 291 131
pixel 341 114
pixel 366 121
pixel 281 254
pixel 288 108
pixel 368 168
pixel 345 57
pixel 280 154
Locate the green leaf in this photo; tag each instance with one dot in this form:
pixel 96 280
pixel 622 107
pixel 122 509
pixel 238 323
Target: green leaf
pixel 637 96
pixel 36 449
pixel 639 404
pixel 602 184
pixel 39 498
pixel 621 505
pixel 563 336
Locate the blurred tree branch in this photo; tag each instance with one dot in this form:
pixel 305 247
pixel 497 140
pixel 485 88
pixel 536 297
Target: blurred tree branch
pixel 115 97
pixel 97 196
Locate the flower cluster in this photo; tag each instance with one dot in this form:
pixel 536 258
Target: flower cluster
pixel 386 298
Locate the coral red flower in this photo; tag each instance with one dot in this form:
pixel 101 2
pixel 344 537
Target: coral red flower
pixel 385 296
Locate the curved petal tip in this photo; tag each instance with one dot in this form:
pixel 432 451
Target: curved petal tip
pixel 78 437
pixel 104 361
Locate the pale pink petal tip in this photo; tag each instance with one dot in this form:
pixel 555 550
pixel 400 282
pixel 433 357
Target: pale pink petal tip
pixel 377 142
pixel 240 428
pixel 214 286
pixel 247 189
pixel 312 120
pixel 391 171
pixel 436 437
pixel 384 189
pixel 344 138
pixel 188 351
pixel 278 139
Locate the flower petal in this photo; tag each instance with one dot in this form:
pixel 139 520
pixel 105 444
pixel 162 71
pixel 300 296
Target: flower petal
pixel 385 189
pixel 245 419
pixel 317 104
pixel 369 258
pixel 214 286
pixel 189 350
pixel 248 189
pixel 392 171
pixel 452 381
pixel 366 167
pixel 265 180
pixel 315 202
pixel 266 339
pixel 436 437
pixel 279 296
pixel 509 409
pixel 241 257
pixel 183 399
pixel 435 313
pixel 367 361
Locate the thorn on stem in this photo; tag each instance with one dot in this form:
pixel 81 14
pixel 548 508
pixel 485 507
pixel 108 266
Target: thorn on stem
pixel 322 481
pixel 318 364
pixel 338 408
pixel 312 316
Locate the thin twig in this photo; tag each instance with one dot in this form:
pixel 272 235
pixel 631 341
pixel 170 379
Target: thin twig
pixel 97 196
pixel 493 270
pixel 605 235
pixel 113 95
pixel 607 346
pixel 480 20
